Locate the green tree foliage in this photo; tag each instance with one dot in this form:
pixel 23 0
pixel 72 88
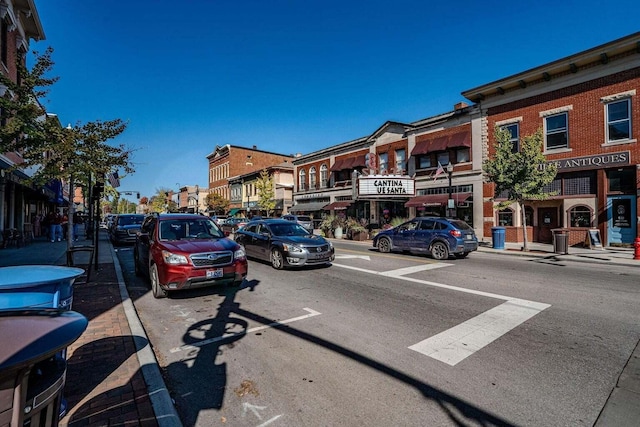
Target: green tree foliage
pixel 55 152
pixel 161 202
pixel 521 175
pixel 216 203
pixel 266 192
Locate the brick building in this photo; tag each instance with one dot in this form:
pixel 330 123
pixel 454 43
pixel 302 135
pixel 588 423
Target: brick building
pixel 588 109
pixel 231 161
pixel 393 173
pixel 19 201
pixel 244 191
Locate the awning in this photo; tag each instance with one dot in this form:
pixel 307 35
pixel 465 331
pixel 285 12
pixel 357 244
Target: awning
pixel 460 139
pixel 441 143
pixel 307 207
pixel 337 206
pixel 435 200
pixel 337 166
pixel 234 211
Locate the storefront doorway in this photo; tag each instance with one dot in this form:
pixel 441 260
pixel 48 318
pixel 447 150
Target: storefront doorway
pixel 621 220
pixel 547 221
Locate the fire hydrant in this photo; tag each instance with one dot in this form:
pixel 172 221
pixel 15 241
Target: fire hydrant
pixel 636 246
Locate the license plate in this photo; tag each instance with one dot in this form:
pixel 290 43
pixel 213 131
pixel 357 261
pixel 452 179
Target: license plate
pixel 469 237
pixel 212 274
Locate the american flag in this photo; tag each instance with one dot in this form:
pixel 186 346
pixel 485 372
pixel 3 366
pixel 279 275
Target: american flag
pixel 439 171
pixel 114 180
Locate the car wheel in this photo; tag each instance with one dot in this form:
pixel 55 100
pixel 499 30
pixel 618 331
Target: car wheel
pixel 277 260
pixel 157 290
pixel 439 251
pixel 384 245
pixel 462 255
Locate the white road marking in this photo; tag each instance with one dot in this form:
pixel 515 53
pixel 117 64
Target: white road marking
pixel 195 345
pixel 345 256
pixel 457 343
pixel 414 269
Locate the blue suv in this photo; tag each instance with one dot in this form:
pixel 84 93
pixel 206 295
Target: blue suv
pixel 437 236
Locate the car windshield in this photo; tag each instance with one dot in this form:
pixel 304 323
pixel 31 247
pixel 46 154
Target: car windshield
pixel 130 220
pixel 284 229
pixel 200 228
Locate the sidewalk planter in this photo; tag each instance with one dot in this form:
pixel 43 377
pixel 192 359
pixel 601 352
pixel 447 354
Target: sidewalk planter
pixel 359 235
pixel 498 237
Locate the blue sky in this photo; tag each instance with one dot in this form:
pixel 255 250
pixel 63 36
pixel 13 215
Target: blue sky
pixel 290 76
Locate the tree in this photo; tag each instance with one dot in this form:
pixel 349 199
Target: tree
pixel 266 193
pixel 216 203
pixel 519 175
pixel 50 150
pixel 161 202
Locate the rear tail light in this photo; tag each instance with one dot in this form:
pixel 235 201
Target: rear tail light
pixel 455 233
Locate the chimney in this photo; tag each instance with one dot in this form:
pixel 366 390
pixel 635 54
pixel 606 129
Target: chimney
pixel 255 147
pixel 460 105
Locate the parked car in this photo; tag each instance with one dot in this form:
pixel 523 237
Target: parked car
pixel 231 225
pixel 284 244
pixel 219 219
pixel 440 237
pixel 124 228
pixel 304 220
pixel 186 251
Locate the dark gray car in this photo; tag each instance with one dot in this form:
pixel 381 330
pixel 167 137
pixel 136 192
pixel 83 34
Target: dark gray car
pixel 284 244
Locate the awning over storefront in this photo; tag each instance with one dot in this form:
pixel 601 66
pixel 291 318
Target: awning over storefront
pixel 441 143
pixel 234 211
pixel 337 206
pixel 307 207
pixel 435 200
pixel 349 163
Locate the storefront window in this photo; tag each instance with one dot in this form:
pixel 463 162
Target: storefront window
pixel 622 180
pixel 505 218
pixel 580 216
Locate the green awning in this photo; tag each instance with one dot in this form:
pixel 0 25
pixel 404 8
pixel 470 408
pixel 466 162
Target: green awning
pixel 234 211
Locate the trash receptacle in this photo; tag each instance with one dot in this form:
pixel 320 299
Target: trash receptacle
pixel 36 287
pixel 560 241
pixel 32 369
pixel 498 237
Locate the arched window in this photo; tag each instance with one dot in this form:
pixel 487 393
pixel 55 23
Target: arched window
pixel 302 180
pixel 324 176
pixel 312 178
pixel 505 217
pixel 580 216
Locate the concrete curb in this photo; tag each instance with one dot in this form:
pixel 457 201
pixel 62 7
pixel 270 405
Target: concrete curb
pixel 163 406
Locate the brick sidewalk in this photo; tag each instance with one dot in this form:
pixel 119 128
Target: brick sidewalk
pixel 105 386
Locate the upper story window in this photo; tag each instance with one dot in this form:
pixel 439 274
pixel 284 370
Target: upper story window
pixel 401 161
pixel 324 176
pixel 462 155
pixel 302 180
pixel 312 177
pixel 443 158
pixel 424 161
pixel 383 159
pixel 556 131
pixel 514 130
pixel 618 120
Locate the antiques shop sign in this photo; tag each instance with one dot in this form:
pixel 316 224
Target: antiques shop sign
pixel 598 161
pixel 386 186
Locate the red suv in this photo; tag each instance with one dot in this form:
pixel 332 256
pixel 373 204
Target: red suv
pixel 185 251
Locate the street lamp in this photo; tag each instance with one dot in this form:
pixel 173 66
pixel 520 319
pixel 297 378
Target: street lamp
pixel 451 206
pixel 197 201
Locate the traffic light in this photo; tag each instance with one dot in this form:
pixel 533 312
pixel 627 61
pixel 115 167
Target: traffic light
pixel 98 189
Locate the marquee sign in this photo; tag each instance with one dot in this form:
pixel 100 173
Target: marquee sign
pixel 386 186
